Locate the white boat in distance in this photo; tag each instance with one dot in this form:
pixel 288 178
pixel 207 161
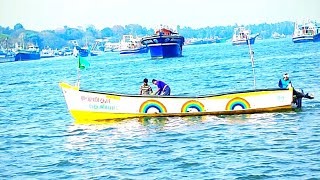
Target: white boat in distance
pixel 130 45
pixel 242 36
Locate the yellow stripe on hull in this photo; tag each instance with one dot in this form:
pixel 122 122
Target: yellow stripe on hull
pixel 86 116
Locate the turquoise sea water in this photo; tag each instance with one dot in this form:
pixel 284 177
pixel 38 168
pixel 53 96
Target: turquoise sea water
pixel 39 139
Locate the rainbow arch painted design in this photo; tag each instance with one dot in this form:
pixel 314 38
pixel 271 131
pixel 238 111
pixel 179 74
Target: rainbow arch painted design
pixel 237 104
pixel 196 106
pixel 152 106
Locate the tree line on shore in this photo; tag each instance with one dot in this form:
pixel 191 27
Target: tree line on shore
pixel 61 37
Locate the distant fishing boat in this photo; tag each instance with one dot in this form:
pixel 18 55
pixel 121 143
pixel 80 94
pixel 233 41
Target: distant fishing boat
pixel 6 55
pixel 164 43
pixel 197 41
pixel 81 51
pixel 219 40
pixel 111 47
pixel 130 45
pixel 31 53
pixel 47 53
pixel 242 36
pixel 97 48
pixel 306 31
pixel 276 35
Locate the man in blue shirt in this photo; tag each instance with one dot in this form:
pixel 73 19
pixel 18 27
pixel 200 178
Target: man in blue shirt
pixel 163 88
pixel 285 83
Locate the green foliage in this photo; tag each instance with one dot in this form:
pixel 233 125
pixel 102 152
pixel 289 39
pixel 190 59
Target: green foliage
pixel 107 32
pixel 18 26
pixel 3 36
pixel 51 39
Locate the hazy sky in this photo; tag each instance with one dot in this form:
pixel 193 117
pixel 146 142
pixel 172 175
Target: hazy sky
pixel 53 14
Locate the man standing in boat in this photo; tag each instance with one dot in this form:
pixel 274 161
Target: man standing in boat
pixel 145 89
pixel 285 83
pixel 163 88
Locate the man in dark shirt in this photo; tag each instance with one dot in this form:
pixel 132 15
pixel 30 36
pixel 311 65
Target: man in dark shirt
pixel 163 88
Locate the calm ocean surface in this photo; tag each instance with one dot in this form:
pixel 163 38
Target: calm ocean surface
pixel 40 140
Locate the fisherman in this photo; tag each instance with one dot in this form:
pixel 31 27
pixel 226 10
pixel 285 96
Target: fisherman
pixel 285 83
pixel 163 88
pixel 145 89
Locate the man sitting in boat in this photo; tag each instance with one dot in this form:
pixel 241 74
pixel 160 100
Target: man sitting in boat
pixel 285 83
pixel 163 88
pixel 145 89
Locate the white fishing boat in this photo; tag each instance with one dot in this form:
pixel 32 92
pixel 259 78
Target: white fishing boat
pixel 242 36
pixel 306 31
pixel 6 54
pixel 111 47
pixel 97 48
pixel 47 53
pixel 131 45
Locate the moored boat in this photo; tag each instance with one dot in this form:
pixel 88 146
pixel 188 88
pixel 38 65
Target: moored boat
pixel 6 56
pixel 196 41
pixel 164 43
pixel 111 47
pixel 304 32
pixel 47 53
pixel 130 45
pixel 97 48
pixel 242 36
pixel 31 53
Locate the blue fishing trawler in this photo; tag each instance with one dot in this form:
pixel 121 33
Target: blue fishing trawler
pixel 31 53
pixel 164 43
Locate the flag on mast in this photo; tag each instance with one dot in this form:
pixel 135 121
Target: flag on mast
pixel 83 64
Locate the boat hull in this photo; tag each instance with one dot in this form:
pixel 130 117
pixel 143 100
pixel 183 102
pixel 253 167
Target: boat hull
pixel 165 50
pixel 89 105
pixel 302 39
pixel 25 56
pixel 7 59
pixel 316 38
pixel 164 46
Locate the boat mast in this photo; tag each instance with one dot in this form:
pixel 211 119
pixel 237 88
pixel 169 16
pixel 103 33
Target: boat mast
pixel 252 62
pixel 77 84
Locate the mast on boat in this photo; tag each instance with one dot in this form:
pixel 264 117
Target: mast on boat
pixel 252 62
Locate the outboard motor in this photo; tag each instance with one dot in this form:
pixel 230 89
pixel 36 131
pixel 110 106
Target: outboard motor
pixel 298 100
